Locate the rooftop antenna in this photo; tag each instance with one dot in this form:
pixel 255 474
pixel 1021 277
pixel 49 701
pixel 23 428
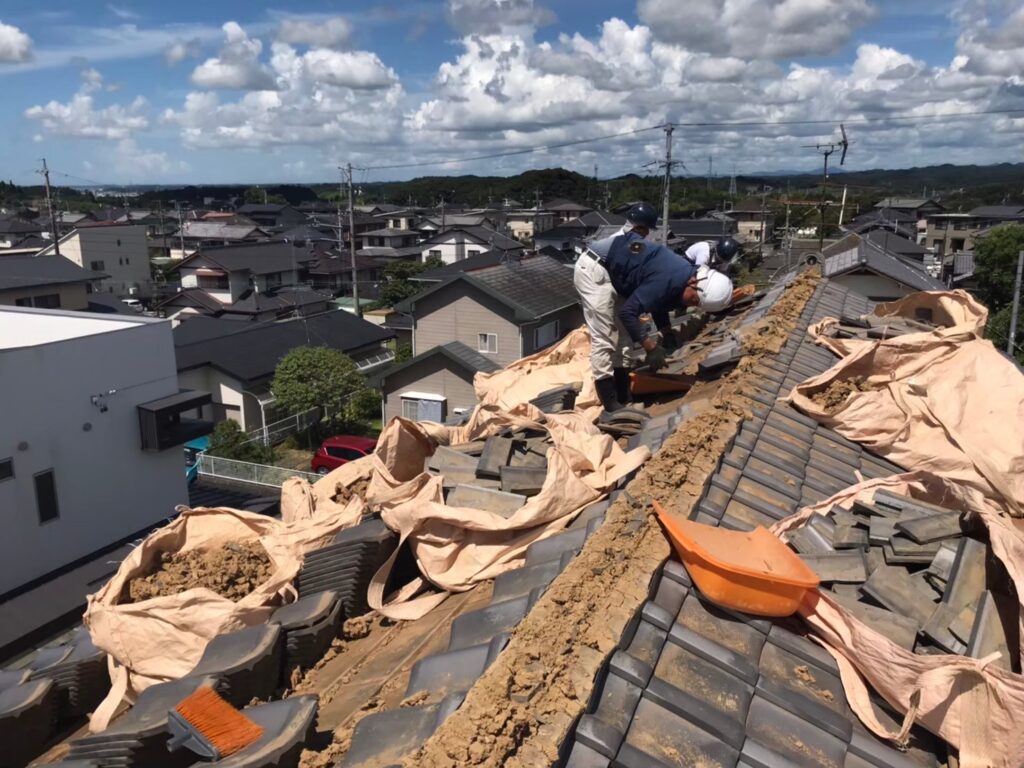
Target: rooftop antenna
pixel 827 150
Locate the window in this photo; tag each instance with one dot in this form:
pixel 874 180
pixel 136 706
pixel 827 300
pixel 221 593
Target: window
pixel 119 243
pixel 96 266
pixel 47 301
pixel 46 496
pixel 127 261
pixel 410 409
pixel 214 283
pixel 545 335
pixel 435 252
pixel 349 454
pixel 474 253
pixel 487 342
pixel 6 469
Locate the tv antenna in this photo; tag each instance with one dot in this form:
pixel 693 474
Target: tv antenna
pixel 827 150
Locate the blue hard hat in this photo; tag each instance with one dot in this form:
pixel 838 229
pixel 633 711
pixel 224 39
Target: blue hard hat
pixel 643 214
pixel 727 248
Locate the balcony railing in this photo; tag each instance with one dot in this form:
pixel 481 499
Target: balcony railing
pixel 246 472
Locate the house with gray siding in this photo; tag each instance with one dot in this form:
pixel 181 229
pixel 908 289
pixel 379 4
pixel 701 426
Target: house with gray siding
pixel 435 385
pixel 495 315
pixel 504 312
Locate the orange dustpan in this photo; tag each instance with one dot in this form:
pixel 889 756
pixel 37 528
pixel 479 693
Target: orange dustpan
pixel 749 571
pixel 646 383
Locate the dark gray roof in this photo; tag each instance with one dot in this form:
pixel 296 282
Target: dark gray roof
pixel 258 258
pixel 204 328
pixel 562 204
pixel 306 233
pixel 219 230
pixel 532 287
pixel 109 304
pixel 894 243
pixel 906 203
pixel 867 255
pixel 258 303
pixel 455 351
pixel 32 271
pixel 483 235
pixel 469 264
pixel 12 225
pixel 599 218
pixel 999 211
pixel 252 353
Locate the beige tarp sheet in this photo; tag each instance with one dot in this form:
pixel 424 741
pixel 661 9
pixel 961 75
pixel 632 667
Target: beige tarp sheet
pixel 163 638
pixel 456 548
pixel 971 703
pixel 566 362
pixel 948 406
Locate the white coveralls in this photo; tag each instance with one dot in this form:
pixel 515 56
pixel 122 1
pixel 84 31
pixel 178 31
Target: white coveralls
pixel 610 345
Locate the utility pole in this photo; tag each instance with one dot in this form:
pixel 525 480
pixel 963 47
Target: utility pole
pixel 826 150
pixel 536 215
pixel 49 207
pixel 760 246
pixel 1011 341
pixel 181 227
pixel 351 239
pixel 668 181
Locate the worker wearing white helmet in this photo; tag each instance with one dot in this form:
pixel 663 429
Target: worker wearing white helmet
pixel 629 277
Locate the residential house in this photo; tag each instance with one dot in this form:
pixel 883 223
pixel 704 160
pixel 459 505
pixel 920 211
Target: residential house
pixel 706 228
pixel 48 282
pixel 918 207
pixel 524 224
pixel 90 450
pixel 504 312
pixel 866 268
pixel 251 306
pixel 120 251
pixel 754 222
pixel 900 222
pixel 434 385
pixel 271 215
pixel 389 244
pixel 68 220
pixel 951 233
pixel 457 243
pixel 898 245
pixel 406 218
pixel 565 210
pixel 332 272
pixel 195 234
pixel 235 362
pixel 308 235
pixel 14 229
pixel 437 221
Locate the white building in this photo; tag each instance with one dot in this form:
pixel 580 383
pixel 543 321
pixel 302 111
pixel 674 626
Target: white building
pixel 90 439
pixel 117 250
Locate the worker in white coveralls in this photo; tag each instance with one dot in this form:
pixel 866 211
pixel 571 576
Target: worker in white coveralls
pixel 625 276
pixel 713 253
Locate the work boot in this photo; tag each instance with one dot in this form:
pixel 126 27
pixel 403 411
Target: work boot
pixel 606 392
pixel 622 386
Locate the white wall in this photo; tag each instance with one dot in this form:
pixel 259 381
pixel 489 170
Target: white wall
pixel 875 287
pixel 107 487
pixel 455 248
pixel 122 249
pixel 225 390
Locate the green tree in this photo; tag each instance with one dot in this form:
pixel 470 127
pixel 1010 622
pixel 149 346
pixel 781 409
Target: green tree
pixel 995 265
pixel 229 442
pixel 403 353
pixel 308 377
pixel 257 196
pixel 397 285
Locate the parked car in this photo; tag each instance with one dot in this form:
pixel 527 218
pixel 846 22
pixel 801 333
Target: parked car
pixel 192 450
pixel 341 449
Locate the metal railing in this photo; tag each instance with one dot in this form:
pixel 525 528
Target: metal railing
pixel 246 472
pixel 275 432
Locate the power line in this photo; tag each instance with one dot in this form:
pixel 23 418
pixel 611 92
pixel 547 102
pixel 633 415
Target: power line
pixel 854 120
pixel 512 153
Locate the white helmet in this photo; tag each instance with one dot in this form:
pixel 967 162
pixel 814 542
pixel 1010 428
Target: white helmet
pixel 714 289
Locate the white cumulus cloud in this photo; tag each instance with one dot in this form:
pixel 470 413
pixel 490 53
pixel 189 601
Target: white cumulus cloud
pixel 495 16
pixel 238 66
pixel 82 118
pixel 179 50
pixel 15 45
pixel 353 69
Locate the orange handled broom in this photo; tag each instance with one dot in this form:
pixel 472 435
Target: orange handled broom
pixel 209 726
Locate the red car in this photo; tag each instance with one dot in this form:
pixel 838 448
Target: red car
pixel 341 449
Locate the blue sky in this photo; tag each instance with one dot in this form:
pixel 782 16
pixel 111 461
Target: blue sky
pixel 146 92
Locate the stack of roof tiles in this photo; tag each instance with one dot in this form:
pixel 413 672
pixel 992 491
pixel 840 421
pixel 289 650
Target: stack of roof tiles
pixel 346 565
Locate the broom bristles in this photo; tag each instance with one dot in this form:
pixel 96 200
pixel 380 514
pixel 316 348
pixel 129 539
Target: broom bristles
pixel 221 724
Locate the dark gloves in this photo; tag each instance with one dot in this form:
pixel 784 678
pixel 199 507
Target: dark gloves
pixel 655 358
pixel 669 339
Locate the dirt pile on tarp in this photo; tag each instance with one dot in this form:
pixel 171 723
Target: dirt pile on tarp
pixel 232 571
pixel 835 395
